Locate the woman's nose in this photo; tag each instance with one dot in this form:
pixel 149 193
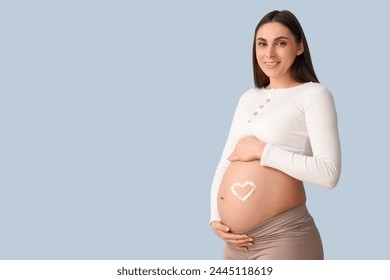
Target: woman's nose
pixel 270 51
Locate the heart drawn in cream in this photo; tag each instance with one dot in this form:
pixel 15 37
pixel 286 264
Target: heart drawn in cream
pixel 243 191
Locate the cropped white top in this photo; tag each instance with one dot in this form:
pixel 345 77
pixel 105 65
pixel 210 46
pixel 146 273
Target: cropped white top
pixel 299 125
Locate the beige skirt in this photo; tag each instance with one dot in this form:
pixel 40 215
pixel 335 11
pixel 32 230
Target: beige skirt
pixel 291 235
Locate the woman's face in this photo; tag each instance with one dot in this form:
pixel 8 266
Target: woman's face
pixel 276 50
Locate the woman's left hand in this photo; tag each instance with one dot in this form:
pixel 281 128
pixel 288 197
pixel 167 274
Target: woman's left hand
pixel 247 149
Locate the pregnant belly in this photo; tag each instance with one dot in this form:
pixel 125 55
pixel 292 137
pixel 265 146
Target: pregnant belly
pixel 251 194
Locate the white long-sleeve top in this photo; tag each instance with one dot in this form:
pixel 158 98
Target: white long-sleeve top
pixel 299 127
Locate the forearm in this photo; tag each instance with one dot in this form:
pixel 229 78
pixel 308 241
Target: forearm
pixel 319 170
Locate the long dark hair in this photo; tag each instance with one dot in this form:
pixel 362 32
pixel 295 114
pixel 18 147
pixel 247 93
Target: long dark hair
pixel 302 69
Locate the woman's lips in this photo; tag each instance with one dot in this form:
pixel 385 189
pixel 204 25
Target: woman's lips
pixel 271 64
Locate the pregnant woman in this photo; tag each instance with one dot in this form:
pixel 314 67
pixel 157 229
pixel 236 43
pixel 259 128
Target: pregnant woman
pixel 284 132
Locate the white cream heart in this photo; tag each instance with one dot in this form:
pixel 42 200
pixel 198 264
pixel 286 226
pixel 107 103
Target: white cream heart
pixel 243 191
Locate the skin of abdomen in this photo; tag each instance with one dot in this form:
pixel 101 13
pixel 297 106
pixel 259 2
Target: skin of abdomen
pixel 275 192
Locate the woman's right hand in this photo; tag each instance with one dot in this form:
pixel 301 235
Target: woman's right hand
pixel 239 241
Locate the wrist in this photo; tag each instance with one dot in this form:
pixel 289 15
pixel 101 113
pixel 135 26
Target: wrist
pixel 260 150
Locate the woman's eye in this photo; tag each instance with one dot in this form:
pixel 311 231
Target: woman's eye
pixel 262 44
pixel 281 43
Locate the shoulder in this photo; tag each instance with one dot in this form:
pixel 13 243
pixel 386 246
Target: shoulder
pixel 251 93
pixel 315 88
pixel 313 91
pixel 317 96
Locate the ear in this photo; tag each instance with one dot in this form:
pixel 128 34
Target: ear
pixel 300 49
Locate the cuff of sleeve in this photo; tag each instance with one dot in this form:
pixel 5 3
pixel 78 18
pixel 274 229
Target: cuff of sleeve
pixel 265 155
pixel 214 215
pixel 213 220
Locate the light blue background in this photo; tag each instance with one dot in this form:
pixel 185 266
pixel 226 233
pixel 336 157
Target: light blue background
pixel 113 116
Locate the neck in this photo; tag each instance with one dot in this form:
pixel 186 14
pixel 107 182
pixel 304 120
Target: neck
pixel 283 83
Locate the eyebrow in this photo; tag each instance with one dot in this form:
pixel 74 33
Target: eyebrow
pixel 277 38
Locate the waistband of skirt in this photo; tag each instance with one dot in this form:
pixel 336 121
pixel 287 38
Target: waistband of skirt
pixel 289 216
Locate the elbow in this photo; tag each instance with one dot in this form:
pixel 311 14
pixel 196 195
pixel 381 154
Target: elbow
pixel 327 182
pixel 331 183
pixel 331 173
pixel 332 178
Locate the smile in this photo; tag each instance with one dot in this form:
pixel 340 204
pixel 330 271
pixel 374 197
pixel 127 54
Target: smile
pixel 271 64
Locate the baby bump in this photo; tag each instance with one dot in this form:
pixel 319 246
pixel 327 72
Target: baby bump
pixel 250 194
